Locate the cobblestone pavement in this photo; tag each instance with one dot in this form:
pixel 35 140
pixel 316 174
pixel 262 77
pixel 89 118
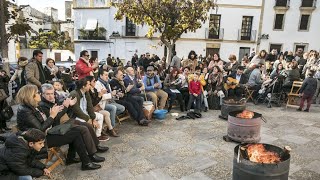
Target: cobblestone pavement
pixel 194 149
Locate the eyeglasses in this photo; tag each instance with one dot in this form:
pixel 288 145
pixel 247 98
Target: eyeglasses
pixel 87 55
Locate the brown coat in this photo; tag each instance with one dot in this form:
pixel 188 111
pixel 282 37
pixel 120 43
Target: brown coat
pixel 32 73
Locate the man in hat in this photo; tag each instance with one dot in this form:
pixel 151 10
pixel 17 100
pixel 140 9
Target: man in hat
pixel 153 88
pixel 241 78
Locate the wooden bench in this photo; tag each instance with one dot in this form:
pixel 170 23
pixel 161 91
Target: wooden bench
pixel 124 116
pixel 293 96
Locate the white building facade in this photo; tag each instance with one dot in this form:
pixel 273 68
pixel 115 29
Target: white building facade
pixel 234 30
pixel 291 24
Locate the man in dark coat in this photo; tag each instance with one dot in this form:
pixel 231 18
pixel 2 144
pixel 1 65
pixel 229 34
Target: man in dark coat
pixel 17 156
pixel 242 79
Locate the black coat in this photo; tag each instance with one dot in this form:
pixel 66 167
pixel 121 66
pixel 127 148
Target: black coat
pixel 28 117
pixel 17 159
pixel 243 79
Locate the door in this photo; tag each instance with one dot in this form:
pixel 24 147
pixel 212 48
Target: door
pixel 57 57
pixel 243 51
pixel 94 54
pixel 130 50
pixel 278 47
pixel 212 51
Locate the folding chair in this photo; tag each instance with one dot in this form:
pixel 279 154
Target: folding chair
pixel 249 93
pixel 55 152
pixel 121 117
pixel 293 96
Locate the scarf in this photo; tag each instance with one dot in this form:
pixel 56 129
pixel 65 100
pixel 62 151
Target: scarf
pixel 155 80
pixel 106 84
pixel 88 64
pixel 42 77
pixel 53 70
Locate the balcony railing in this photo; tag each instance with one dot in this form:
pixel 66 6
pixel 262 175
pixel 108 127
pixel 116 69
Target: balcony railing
pixel 282 3
pixel 214 35
pixel 126 33
pixel 251 36
pixel 309 3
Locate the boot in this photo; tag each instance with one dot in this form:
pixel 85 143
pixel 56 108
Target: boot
pixel 113 133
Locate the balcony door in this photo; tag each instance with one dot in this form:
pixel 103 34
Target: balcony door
pixel 246 27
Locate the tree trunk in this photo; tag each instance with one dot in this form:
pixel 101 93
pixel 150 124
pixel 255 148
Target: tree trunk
pixel 3 39
pixel 169 54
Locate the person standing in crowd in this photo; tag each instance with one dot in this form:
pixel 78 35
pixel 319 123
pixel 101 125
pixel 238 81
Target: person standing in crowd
pixel 216 61
pixel 30 116
pixel 83 66
pixel 191 62
pixel 195 93
pixel 153 88
pixel 133 105
pixel 109 60
pixel 134 60
pixel 176 61
pixel 301 63
pixel 20 72
pixel 107 102
pixel 16 160
pixel 34 69
pixel 184 89
pixel 260 58
pixel 307 91
pixel 50 70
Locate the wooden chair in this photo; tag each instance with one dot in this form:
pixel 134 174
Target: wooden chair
pixel 249 93
pixel 55 152
pixel 293 96
pixel 124 116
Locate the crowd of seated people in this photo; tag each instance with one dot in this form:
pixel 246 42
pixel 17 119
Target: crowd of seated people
pixel 82 113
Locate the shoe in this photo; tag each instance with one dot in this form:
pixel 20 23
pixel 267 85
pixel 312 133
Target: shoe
pixel 96 158
pixel 299 109
pixel 90 166
pixel 205 109
pixel 102 149
pixel 143 122
pixel 113 133
pixel 306 110
pixel 103 138
pixel 72 161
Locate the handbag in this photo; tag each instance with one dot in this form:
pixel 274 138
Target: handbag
pixel 97 108
pixel 3 95
pixel 60 129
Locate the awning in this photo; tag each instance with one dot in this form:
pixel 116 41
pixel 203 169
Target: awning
pixel 91 24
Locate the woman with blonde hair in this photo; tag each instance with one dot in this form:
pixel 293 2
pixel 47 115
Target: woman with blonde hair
pixel 30 116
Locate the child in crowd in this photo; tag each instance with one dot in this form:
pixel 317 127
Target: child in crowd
pixel 195 92
pixel 16 159
pixel 307 91
pixel 60 92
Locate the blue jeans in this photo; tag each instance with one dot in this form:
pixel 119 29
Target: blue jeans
pixel 114 109
pixel 25 178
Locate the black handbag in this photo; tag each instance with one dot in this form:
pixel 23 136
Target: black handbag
pixel 60 129
pixel 6 112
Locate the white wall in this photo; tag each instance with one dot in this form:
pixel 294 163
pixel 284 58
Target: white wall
pixel 290 34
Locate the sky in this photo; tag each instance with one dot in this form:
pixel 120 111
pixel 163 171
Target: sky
pixel 41 4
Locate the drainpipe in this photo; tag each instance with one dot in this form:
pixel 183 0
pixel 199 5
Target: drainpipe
pixel 260 26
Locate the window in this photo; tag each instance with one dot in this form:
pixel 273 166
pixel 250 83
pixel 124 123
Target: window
pixel 302 46
pixel 130 28
pixel 214 26
pixel 278 23
pixel 304 22
pixel 246 27
pixel 99 3
pixel 281 3
pixel 278 47
pixel 94 54
pixel 307 3
pixel 244 51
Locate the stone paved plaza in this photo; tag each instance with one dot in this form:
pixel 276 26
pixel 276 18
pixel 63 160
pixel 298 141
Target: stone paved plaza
pixel 194 149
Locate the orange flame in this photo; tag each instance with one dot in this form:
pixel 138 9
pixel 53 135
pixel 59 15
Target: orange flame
pixel 257 153
pixel 245 114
